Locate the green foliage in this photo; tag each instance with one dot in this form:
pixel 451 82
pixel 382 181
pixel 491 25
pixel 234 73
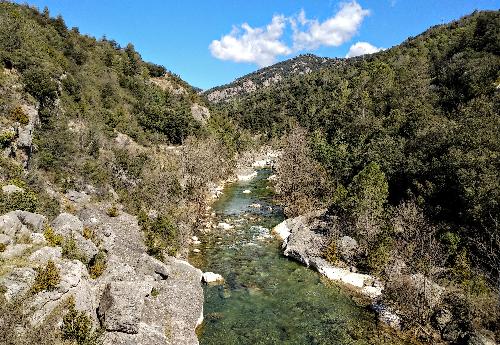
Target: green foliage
pixel 47 278
pixel 161 236
pixel 52 238
pixel 26 201
pixel 461 271
pixel 155 292
pixel 97 265
pixel 330 252
pixel 20 116
pixel 379 256
pixel 3 246
pixel 6 138
pixel 368 192
pixel 112 211
pixel 77 326
pixel 71 251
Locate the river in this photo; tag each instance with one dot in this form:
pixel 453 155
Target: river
pixel 267 298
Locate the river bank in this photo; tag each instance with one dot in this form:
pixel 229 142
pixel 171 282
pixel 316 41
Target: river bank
pixel 267 298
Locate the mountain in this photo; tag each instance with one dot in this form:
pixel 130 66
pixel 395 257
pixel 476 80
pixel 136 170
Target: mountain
pixel 269 76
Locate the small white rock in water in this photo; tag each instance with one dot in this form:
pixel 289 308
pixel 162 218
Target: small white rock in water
pixel 247 191
pixel 210 277
pixel 196 250
pixel 224 226
pixel 194 238
pixel 196 243
pixel 256 205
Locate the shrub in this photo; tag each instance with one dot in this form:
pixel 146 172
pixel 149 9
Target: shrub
pixel 6 138
pixel 52 238
pixel 2 247
pixel 155 292
pixel 20 116
pixel 71 251
pixel 47 278
pixel 77 326
pixel 97 265
pixel 112 211
pixel 161 236
pixel 330 252
pixel 26 201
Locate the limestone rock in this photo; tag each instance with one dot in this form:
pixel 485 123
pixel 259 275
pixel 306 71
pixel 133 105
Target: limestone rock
pixel 14 251
pixel 5 239
pixel 120 308
pixel 10 224
pixel 43 255
pixel 348 248
pixel 78 197
pixel 210 277
pixel 66 224
pixel 200 113
pixel 18 282
pixel 35 221
pixel 11 189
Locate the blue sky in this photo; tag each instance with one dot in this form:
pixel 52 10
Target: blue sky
pixel 208 43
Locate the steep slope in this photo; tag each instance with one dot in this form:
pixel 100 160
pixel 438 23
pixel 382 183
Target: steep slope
pixel 122 153
pixel 268 76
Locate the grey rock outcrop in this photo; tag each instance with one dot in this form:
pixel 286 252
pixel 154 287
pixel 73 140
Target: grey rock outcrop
pixel 121 305
pixel 348 248
pixel 137 299
pixel 10 224
pixel 71 227
pixel 34 221
pixel 18 282
pixel 11 189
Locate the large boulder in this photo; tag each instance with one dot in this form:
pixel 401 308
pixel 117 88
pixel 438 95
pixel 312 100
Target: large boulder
pixel 11 189
pixel 120 308
pixel 348 248
pixel 18 282
pixel 10 224
pixel 67 224
pixel 303 243
pixel 35 222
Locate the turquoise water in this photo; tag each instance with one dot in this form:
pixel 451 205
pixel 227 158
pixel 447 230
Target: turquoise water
pixel 267 298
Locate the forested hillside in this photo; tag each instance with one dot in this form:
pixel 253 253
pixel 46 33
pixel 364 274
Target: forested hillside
pixel 79 113
pixel 403 147
pixel 268 76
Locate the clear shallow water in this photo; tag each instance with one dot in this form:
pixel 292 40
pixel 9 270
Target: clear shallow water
pixel 267 298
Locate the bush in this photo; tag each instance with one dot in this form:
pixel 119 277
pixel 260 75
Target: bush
pixel 3 246
pixel 6 138
pixel 330 252
pixel 112 211
pixel 71 251
pixel 20 116
pixel 97 265
pixel 161 236
pixel 26 201
pixel 47 278
pixel 52 238
pixel 77 326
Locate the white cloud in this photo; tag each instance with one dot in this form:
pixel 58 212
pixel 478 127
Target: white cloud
pixel 262 45
pixel 362 48
pixel 256 45
pixel 332 32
